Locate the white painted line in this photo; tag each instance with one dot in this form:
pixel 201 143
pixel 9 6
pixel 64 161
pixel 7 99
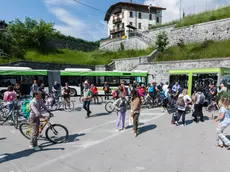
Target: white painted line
pixel 85 146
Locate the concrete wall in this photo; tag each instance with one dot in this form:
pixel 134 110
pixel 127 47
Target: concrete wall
pixel 134 43
pixel 214 30
pixel 160 70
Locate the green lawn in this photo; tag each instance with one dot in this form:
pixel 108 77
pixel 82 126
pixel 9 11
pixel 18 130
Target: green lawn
pixel 78 57
pixel 207 16
pixel 203 50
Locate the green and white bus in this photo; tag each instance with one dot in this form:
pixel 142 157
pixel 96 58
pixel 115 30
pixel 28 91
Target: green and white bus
pixel 191 77
pixel 75 78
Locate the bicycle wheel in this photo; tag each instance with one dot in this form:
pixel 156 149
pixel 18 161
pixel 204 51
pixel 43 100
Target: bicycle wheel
pixel 16 113
pixel 100 100
pixel 80 99
pixel 109 107
pixel 25 130
pixel 57 133
pixel 70 107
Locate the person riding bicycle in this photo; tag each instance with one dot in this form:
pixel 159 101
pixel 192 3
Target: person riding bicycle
pixel 17 89
pixel 9 97
pixel 42 91
pixel 36 107
pixel 33 88
pixel 94 90
pixel 141 91
pixel 56 89
pixel 153 90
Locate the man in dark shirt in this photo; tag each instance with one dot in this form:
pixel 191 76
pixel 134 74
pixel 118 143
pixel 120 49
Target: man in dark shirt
pixel 106 90
pixel 56 89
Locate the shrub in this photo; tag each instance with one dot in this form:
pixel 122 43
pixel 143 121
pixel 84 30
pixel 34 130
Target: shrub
pixel 162 41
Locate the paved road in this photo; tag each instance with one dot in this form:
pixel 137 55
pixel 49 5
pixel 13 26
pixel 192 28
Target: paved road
pixel 95 146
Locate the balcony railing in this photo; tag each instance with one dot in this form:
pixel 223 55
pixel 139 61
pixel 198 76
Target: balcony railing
pixel 117 20
pixel 117 30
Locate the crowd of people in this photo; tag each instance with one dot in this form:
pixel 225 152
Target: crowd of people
pixel 132 94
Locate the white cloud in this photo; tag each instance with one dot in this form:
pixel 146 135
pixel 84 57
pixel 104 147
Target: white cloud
pixel 173 6
pixel 72 25
pixel 60 2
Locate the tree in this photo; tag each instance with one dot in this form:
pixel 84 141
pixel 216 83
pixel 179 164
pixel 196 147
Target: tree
pixel 162 41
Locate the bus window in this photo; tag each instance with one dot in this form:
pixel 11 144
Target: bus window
pixel 112 80
pixel 181 79
pixel 204 80
pixel 100 80
pixel 72 80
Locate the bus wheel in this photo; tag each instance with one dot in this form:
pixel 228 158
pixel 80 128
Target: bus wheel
pixel 73 92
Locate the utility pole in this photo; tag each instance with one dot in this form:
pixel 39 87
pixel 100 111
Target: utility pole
pixel 217 4
pixel 180 9
pixel 206 4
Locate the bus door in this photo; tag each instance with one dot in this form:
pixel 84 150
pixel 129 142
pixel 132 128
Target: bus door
pixel 52 77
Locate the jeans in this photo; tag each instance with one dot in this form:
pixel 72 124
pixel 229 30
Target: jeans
pixel 135 122
pixel 86 106
pixel 121 119
pixel 198 111
pixel 221 138
pixel 10 106
pixel 181 113
pixel 106 95
pixel 34 123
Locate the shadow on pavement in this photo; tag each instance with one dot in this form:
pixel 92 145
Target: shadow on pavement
pixel 131 126
pixel 74 137
pixel 147 128
pixel 22 154
pixel 3 138
pixel 100 114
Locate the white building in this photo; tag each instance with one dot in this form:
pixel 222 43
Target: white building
pixel 123 17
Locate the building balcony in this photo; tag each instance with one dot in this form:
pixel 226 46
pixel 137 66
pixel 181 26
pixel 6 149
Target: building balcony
pixel 117 30
pixel 117 20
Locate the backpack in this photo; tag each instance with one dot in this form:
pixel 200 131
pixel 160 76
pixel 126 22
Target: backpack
pixel 106 89
pixel 201 99
pixel 180 101
pixel 26 108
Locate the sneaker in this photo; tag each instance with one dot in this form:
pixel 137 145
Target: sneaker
pixel 37 148
pixel 177 124
pixel 117 130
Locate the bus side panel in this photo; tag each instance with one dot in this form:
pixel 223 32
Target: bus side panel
pixel 52 77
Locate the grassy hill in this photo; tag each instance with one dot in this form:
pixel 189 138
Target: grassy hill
pixel 207 49
pixel 207 16
pixel 78 57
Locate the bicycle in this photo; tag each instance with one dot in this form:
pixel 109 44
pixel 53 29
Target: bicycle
pixel 26 131
pixel 5 113
pixel 95 99
pixel 109 107
pixel 56 104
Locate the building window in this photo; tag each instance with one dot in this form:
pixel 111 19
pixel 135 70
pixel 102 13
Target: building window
pixel 139 15
pixel 158 20
pixel 131 23
pixel 118 26
pixel 150 17
pixel 123 25
pixel 139 25
pixel 130 14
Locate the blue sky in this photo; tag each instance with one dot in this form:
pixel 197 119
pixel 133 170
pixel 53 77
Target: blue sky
pixel 74 19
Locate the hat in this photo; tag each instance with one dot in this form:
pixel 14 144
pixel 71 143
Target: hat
pixel 161 83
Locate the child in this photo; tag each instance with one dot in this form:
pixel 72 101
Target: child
pixel 224 122
pixel 212 107
pixel 121 106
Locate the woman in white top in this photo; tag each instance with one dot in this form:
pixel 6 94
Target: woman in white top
pixel 185 98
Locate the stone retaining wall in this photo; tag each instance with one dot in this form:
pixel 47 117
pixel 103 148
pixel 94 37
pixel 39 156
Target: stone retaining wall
pixel 160 70
pixel 214 30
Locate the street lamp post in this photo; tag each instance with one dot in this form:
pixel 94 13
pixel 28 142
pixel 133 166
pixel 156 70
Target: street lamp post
pixel 150 5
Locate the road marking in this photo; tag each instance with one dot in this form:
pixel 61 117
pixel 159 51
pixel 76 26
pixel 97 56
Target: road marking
pixel 85 146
